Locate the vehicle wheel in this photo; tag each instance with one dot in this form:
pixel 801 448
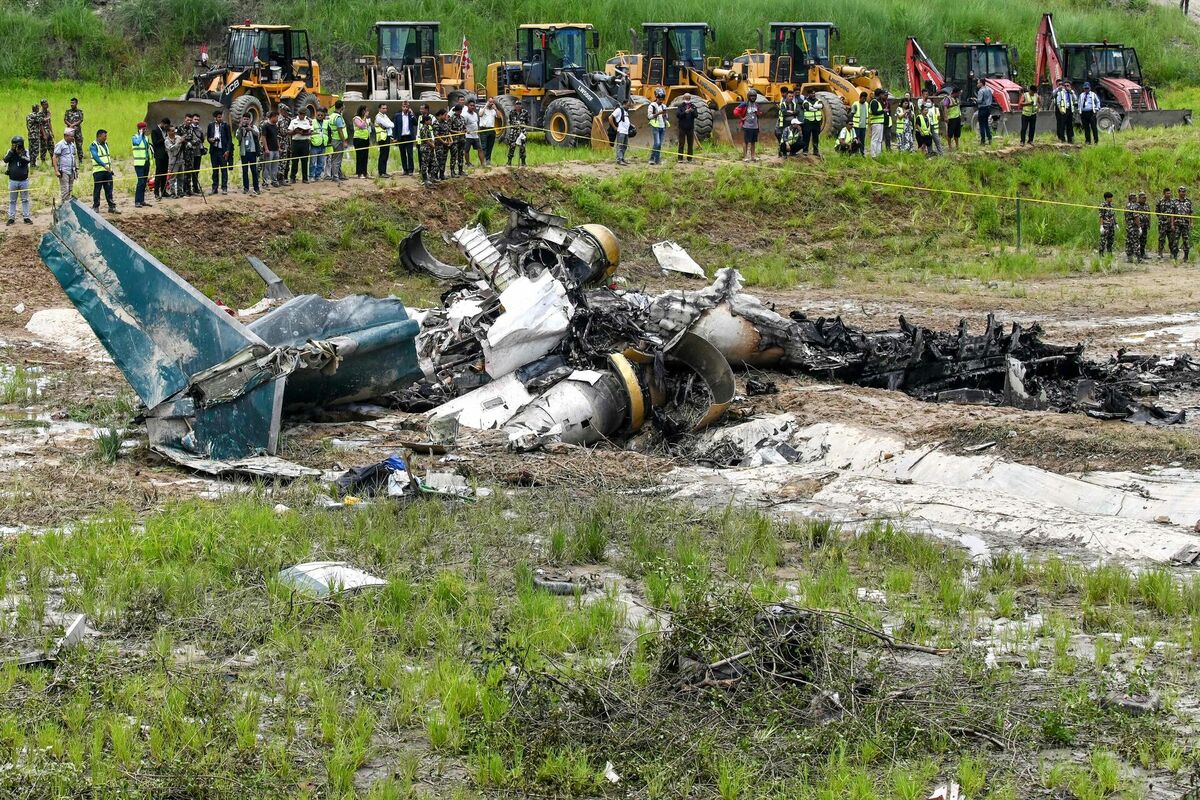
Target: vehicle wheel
pixel 1108 120
pixel 568 122
pixel 246 104
pixel 704 117
pixel 836 113
pixel 505 103
pixel 307 100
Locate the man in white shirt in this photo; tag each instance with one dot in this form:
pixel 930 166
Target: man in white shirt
pixel 619 119
pixel 300 130
pixel 1089 107
pixel 383 138
pixel 487 130
pixel 470 116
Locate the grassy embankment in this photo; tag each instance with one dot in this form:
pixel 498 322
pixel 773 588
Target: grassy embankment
pixel 211 678
pixel 146 42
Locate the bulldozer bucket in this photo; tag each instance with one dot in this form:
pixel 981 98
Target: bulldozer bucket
pixel 639 143
pixel 1163 118
pixel 176 109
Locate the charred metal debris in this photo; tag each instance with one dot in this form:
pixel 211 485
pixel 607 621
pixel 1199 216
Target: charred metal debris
pixel 532 338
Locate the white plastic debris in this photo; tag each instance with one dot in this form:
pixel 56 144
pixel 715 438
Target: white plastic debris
pixel 947 791
pixel 280 508
pixel 537 314
pixel 19 308
pixel 610 773
pixel 673 258
pixel 264 305
pixel 328 577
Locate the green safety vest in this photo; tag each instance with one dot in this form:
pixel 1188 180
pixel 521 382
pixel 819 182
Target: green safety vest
pixel 141 150
pixel 1029 104
pixel 319 136
pixel 858 113
pixel 875 117
pixel 362 133
pixel 901 125
pixel 922 124
pixel 954 111
pixel 105 164
pixel 331 127
pixel 381 133
pixel 813 111
pixel 661 120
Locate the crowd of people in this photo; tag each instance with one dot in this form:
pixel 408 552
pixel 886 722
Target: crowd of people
pixel 1174 219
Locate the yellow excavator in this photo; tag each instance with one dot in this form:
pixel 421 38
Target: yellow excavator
pixel 798 57
pixel 264 64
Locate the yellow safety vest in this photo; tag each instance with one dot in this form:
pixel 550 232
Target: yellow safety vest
pixel 922 124
pixel 901 124
pixel 141 150
pixel 318 138
pixel 362 133
pixel 661 120
pixel 858 113
pixel 954 111
pixel 876 117
pixel 331 124
pixel 813 111
pixel 381 133
pixel 104 157
pixel 1029 104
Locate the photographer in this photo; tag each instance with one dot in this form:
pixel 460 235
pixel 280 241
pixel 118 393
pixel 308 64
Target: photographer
pixel 685 115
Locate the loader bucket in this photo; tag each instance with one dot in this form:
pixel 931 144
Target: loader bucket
pixel 1163 118
pixel 176 109
pixel 768 118
pixel 639 144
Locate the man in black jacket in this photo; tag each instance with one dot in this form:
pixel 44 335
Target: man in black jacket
pixel 158 145
pixel 406 134
pixel 220 150
pixel 685 118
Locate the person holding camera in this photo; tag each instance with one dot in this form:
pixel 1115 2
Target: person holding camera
pixel 685 116
pixel 16 167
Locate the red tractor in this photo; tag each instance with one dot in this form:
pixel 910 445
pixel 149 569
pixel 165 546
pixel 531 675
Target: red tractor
pixel 969 65
pixel 1115 74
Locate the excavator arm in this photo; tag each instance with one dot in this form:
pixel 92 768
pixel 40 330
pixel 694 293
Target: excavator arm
pixel 1049 67
pixel 920 69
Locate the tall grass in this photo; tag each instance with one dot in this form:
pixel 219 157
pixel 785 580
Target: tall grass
pixel 142 39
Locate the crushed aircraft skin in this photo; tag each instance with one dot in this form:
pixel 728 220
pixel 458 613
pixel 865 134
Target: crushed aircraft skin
pixel 214 388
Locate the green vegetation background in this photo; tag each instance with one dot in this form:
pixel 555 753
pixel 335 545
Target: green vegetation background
pixel 152 42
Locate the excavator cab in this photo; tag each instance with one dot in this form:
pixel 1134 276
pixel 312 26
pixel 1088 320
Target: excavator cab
pixel 1094 62
pixel 796 46
pixel 672 49
pixel 970 63
pixel 406 65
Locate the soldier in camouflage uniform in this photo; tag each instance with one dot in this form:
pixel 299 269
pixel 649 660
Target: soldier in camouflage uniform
pixel 1108 225
pixel 1132 224
pixel 285 142
pixel 1143 225
pixel 458 141
pixel 516 135
pixel 33 127
pixel 47 131
pixel 1163 209
pixel 193 145
pixel 426 150
pixel 73 119
pixel 1183 224
pixel 441 142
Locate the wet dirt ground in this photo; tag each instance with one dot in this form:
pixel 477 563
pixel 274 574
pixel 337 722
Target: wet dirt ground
pixel 51 474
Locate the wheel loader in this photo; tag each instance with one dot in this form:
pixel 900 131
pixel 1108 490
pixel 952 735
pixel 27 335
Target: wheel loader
pixel 672 56
pixel 556 75
pixel 408 66
pixel 798 56
pixel 264 64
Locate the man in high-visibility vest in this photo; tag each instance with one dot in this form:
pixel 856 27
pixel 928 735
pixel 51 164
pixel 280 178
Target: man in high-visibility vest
pixel 1065 105
pixel 813 112
pixel 141 164
pixel 339 140
pixel 102 172
pixel 1030 105
pixel 316 146
pixel 933 113
pixel 792 137
pixel 858 118
pixel 876 111
pixel 952 105
pixel 789 109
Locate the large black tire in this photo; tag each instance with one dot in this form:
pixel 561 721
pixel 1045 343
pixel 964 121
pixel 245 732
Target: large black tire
pixel 704 117
pixel 1108 120
pixel 246 104
pixel 568 123
pixel 836 113
pixel 505 104
pixel 307 100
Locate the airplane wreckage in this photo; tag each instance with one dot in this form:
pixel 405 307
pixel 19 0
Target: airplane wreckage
pixel 531 338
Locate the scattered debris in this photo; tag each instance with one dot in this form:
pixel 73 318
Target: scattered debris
pixel 323 578
pixel 610 773
pixel 554 585
pixel 947 791
pixel 19 308
pixel 756 387
pixel 673 258
pixel 73 626
pixel 1136 705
